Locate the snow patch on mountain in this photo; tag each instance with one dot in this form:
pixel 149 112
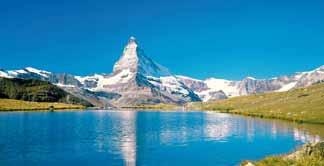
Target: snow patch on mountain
pixel 169 84
pixel 16 72
pixel 228 87
pixel 4 74
pixel 287 87
pixel 188 78
pixel 27 70
pixel 212 88
pixel 121 77
pixel 319 70
pixel 82 79
pixel 251 78
pixel 39 72
pixel 64 85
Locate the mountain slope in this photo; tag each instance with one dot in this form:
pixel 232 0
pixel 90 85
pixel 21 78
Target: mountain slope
pixel 36 90
pixel 300 104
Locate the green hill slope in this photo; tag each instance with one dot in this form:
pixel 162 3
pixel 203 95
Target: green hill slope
pixel 20 105
pixel 36 91
pixel 302 105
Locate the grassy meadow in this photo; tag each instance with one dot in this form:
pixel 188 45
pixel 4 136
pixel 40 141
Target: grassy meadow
pixel 19 105
pixel 299 105
pixel 308 155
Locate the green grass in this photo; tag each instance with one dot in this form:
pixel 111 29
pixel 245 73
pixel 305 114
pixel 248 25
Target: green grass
pixel 299 105
pixel 281 161
pixel 308 155
pixel 19 105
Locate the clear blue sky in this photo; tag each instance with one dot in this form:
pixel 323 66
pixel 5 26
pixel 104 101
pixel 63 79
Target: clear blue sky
pixel 207 38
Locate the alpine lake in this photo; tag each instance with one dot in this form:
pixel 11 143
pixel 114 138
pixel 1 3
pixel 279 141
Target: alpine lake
pixel 145 138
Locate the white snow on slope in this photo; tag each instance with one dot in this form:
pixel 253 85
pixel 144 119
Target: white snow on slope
pixel 16 72
pixel 220 84
pixel 129 57
pixel 39 72
pixel 204 95
pixel 27 70
pixel 251 78
pixel 88 78
pixel 287 87
pixel 64 85
pixel 4 74
pixel 122 77
pixel 319 70
pixel 102 80
pixel 188 78
pixel 230 88
pixel 169 84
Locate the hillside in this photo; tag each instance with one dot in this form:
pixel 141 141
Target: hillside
pixel 36 91
pixel 301 105
pixel 20 105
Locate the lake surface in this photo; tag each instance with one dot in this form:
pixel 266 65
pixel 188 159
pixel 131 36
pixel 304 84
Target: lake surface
pixel 117 138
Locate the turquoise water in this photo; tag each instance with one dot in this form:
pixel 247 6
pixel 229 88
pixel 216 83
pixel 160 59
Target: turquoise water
pixel 116 138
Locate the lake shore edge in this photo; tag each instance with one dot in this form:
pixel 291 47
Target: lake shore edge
pixel 266 116
pixel 308 155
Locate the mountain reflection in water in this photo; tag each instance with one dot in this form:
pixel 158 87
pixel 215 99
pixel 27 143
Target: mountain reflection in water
pixel 145 138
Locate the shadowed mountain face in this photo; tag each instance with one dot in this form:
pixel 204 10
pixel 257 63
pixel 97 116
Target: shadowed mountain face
pixel 36 90
pixel 137 79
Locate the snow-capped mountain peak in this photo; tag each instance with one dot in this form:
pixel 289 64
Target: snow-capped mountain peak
pixel 135 60
pixel 137 78
pixel 129 58
pixel 132 40
pixel 37 71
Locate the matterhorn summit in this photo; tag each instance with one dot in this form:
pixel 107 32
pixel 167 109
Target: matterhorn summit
pixel 135 60
pixel 137 79
pixel 140 80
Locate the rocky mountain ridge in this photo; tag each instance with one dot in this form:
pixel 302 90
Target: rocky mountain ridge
pixel 249 85
pixel 137 79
